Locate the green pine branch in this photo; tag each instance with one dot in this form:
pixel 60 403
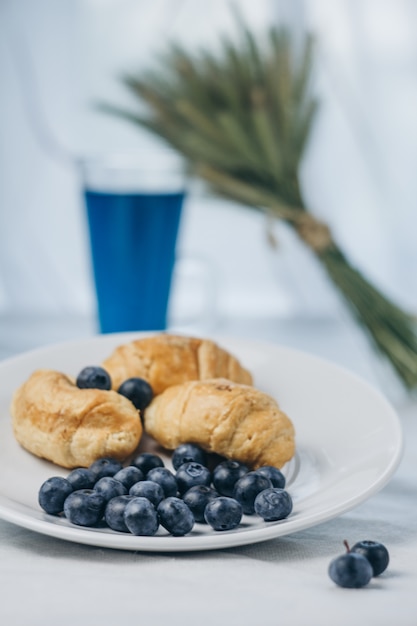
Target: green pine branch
pixel 242 118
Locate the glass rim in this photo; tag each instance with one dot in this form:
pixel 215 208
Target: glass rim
pixel 144 170
pixel 148 159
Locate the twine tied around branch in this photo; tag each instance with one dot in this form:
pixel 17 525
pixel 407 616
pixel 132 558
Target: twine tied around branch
pixel 315 233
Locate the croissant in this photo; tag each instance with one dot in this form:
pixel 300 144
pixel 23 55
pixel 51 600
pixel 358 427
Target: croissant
pixel 165 360
pixel 233 420
pixel 55 420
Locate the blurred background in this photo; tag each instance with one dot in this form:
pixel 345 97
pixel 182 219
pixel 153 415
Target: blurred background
pixel 59 57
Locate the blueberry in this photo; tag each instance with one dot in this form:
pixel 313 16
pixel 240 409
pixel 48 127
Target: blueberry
pixel 84 507
pixel 93 377
pixel 165 478
pixel 148 489
pixel 175 516
pixel 187 452
pixel 129 475
pixel 109 488
pixel 105 467
pixel 141 517
pixel 247 488
pixel 190 474
pixel 197 499
pixel 275 475
pixel 147 461
pixel 351 570
pixel 138 391
pixel 223 513
pixel 226 474
pixel 375 552
pixel 53 493
pixel 273 504
pixel 81 478
pixel 114 513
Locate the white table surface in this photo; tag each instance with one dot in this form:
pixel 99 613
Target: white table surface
pixel 283 581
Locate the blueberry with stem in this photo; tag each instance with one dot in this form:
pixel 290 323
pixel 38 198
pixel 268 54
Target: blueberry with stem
pixel 351 570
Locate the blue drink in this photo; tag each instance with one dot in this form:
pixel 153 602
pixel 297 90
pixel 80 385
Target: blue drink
pixel 133 237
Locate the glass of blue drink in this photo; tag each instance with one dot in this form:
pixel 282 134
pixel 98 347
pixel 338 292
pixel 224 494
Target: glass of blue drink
pixel 134 205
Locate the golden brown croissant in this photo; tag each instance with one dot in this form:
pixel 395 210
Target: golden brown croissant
pixel 165 360
pixel 72 427
pixel 233 420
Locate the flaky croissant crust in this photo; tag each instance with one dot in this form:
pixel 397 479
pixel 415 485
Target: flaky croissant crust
pixel 73 427
pixel 230 419
pixel 165 360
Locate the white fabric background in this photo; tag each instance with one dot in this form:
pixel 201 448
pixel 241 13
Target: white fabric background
pixel 58 57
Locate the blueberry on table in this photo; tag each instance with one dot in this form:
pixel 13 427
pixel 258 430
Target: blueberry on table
pixel 53 493
pixel 273 504
pixel 114 513
pixel 84 507
pixel 351 570
pixel 226 474
pixel 175 516
pixel 93 377
pixel 140 517
pixel 190 474
pixel 247 488
pixel 223 513
pixel 148 489
pixel 187 452
pixel 138 391
pixel 375 552
pixel 165 478
pixel 109 488
pixel 197 499
pixel 145 461
pixel 275 475
pixel 105 466
pixel 129 475
pixel 81 478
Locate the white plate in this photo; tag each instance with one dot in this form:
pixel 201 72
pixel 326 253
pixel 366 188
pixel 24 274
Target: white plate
pixel 349 444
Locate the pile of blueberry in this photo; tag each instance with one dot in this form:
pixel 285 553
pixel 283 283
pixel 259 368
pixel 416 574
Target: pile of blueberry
pixel 145 495
pixel 359 564
pixel 141 497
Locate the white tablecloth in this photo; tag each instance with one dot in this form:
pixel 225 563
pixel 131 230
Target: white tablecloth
pixel 284 581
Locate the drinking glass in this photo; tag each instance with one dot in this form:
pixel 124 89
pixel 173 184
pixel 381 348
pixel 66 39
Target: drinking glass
pixel 134 204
